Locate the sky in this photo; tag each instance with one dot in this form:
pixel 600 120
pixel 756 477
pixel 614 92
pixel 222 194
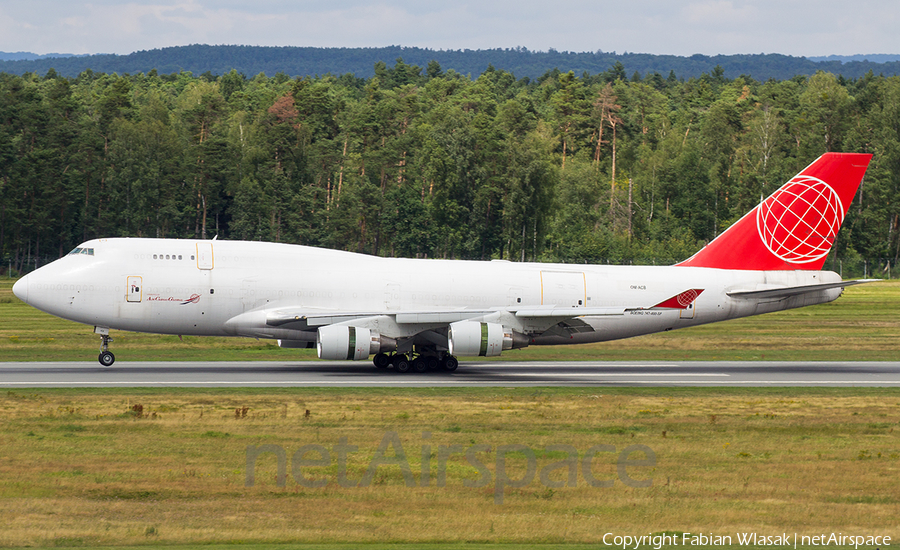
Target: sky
pixel 710 27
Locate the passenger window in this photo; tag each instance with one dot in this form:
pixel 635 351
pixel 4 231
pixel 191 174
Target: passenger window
pixel 167 256
pixel 154 256
pixel 179 256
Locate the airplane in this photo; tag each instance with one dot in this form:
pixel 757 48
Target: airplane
pixel 422 314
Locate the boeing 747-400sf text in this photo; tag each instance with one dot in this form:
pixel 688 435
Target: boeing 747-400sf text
pixel 421 314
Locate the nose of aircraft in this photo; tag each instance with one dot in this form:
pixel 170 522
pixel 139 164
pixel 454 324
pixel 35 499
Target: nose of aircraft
pixel 20 289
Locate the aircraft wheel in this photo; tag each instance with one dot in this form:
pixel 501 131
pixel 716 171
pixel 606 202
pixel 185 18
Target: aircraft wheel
pixel 401 363
pixel 382 360
pixel 451 363
pixel 419 364
pixel 107 358
pixel 432 362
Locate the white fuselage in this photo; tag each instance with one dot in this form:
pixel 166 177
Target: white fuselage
pixel 193 287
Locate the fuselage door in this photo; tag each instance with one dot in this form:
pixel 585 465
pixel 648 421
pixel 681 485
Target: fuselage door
pixel 134 289
pixel 563 288
pixel 205 255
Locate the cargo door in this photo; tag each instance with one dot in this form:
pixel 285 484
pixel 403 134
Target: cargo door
pixel 563 288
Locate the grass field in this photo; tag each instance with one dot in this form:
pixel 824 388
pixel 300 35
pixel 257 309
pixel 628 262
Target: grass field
pixel 84 468
pixel 148 467
pixel 864 324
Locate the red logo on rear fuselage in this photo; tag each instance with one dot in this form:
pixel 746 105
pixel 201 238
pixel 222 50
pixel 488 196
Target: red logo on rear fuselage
pixel 687 297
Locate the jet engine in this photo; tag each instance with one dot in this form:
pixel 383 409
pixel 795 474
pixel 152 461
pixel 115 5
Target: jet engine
pixel 471 338
pixel 340 342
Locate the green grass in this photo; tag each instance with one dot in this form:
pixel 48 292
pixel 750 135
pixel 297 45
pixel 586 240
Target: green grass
pixel 864 324
pixel 79 468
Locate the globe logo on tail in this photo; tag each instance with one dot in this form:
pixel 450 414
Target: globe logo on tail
pixel 799 222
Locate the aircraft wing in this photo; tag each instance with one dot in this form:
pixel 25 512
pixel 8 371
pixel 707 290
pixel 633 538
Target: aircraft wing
pixel 302 319
pixel 787 292
pixel 679 301
pixel 305 318
pixel 542 312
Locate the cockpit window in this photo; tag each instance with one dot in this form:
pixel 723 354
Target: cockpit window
pixel 87 251
pixel 76 251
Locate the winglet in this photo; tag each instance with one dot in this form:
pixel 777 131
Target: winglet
pixel 680 301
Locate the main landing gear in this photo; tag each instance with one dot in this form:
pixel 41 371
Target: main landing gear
pixel 106 357
pixel 418 363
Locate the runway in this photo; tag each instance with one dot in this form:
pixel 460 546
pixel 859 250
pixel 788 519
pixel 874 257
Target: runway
pixel 470 374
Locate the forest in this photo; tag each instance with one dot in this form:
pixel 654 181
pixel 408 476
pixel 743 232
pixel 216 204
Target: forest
pixel 426 162
pixel 297 61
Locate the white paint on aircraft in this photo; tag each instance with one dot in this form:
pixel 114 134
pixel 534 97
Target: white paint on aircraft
pixel 418 313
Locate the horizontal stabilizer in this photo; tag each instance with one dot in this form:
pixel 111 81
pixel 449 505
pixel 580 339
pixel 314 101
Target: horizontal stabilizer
pixel 789 291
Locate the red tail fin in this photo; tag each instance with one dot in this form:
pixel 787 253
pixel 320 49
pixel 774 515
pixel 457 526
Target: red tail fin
pixel 796 225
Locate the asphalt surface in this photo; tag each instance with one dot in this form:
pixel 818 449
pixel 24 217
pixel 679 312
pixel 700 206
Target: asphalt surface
pixel 469 374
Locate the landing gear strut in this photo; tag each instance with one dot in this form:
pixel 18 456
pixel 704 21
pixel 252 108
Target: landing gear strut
pixel 106 357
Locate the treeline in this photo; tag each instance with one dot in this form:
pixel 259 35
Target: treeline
pixel 422 162
pixel 523 63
